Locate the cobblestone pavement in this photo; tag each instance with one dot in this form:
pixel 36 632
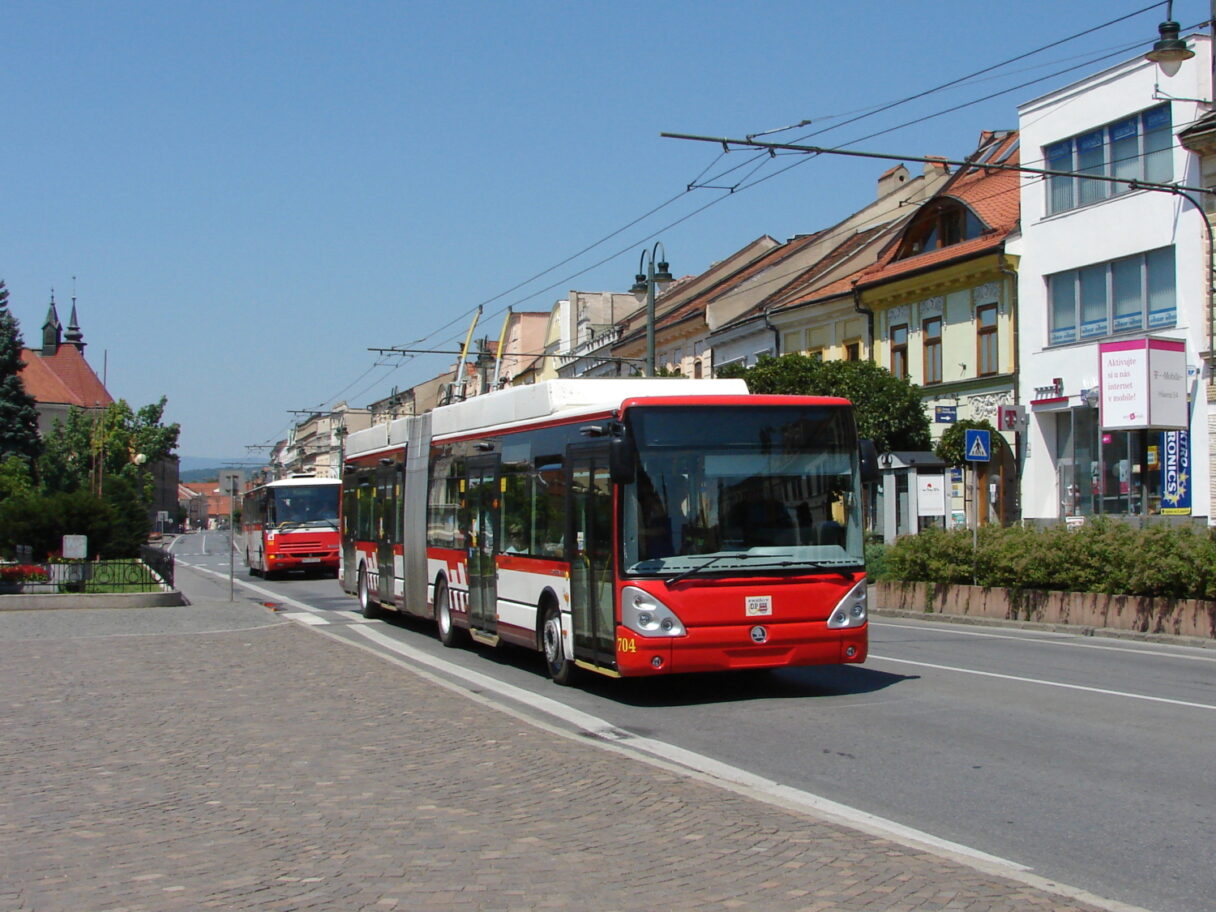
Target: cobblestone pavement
pixel 236 761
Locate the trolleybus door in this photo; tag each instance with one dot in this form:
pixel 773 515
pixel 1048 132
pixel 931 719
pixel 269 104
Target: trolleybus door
pixel 589 546
pixel 388 498
pixel 483 505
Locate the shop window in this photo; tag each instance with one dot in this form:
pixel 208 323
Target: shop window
pixel 1118 473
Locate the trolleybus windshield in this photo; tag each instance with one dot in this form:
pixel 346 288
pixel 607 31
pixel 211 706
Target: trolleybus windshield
pixel 742 489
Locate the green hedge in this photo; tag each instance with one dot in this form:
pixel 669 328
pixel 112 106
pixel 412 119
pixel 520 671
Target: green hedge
pixel 1100 556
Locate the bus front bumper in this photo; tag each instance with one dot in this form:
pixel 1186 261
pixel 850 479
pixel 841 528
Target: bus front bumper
pixel 740 646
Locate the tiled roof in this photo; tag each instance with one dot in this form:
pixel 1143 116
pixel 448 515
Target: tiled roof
pixel 63 378
pixel 992 194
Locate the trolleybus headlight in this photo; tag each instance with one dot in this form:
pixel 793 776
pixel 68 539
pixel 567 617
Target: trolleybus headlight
pixel 850 611
pixel 642 613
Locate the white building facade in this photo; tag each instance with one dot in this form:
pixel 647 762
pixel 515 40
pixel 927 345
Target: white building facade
pixel 1110 275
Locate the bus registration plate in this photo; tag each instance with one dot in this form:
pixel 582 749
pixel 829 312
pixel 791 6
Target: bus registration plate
pixel 759 605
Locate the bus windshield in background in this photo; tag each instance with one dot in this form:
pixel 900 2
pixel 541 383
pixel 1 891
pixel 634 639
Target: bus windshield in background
pixel 303 505
pixel 730 488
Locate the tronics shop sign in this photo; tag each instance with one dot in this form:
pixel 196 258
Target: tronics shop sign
pixel 1143 384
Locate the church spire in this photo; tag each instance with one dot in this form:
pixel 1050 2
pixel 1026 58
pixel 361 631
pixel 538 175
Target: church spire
pixel 74 336
pixel 51 330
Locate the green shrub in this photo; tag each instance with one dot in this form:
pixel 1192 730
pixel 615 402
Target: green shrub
pixel 1102 556
pixel 876 562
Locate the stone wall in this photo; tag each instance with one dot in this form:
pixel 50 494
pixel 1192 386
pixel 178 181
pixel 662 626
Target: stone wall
pixel 1176 617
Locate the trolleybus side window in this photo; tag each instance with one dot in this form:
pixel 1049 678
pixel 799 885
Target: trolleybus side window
pixel 442 502
pixel 549 507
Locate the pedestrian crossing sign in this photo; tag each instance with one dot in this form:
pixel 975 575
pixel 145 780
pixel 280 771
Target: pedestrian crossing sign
pixel 977 445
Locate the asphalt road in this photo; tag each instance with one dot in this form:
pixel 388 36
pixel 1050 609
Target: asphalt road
pixel 1086 760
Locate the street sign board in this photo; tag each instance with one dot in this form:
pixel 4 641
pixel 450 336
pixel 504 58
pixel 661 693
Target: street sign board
pixel 1010 417
pixel 977 445
pixel 75 547
pixel 945 414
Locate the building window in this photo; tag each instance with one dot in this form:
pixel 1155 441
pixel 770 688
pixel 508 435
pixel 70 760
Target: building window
pixel 899 351
pixel 940 224
pixel 1126 295
pixel 986 356
pixel 932 332
pixel 1135 148
pixel 852 351
pixel 816 355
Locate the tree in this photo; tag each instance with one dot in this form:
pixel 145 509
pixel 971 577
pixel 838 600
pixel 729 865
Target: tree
pixel 84 451
pixel 105 457
pixel 889 410
pixel 18 413
pixel 15 478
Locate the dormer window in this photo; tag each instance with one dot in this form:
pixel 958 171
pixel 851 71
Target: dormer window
pixel 940 224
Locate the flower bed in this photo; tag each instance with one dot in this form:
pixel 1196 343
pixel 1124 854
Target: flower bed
pixel 22 573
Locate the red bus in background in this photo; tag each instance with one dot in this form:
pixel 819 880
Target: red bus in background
pixel 292 524
pixel 622 526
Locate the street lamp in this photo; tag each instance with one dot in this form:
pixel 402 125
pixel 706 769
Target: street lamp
pixel 1169 51
pixel 645 283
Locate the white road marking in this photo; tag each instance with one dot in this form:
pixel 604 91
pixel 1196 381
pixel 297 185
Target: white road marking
pixel 600 728
pixel 1075 640
pixel 303 611
pixel 1042 682
pixel 306 617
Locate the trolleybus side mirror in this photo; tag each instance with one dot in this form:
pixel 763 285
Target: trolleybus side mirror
pixel 621 458
pixel 869 460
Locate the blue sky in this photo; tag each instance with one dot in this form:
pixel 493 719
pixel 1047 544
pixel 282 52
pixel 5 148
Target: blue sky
pixel 247 196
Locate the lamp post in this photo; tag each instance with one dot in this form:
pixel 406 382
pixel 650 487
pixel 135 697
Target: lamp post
pixel 645 283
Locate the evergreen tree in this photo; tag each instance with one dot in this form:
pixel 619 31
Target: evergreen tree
pixel 18 414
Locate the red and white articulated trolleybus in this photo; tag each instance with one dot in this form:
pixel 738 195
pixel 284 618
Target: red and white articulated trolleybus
pixel 292 524
pixel 627 527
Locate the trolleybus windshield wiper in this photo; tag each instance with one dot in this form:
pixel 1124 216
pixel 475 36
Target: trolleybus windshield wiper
pixel 740 555
pixel 802 565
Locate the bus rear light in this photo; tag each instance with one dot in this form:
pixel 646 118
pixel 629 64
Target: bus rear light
pixel 644 614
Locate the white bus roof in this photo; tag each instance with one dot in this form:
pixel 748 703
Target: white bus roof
pixel 300 480
pixel 536 402
pixel 564 398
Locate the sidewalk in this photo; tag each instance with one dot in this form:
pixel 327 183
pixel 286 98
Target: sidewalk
pixel 215 756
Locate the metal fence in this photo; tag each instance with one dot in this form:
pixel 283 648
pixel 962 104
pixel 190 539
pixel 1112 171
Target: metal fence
pixel 159 561
pixel 151 572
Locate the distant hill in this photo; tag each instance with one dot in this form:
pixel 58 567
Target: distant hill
pixel 207 468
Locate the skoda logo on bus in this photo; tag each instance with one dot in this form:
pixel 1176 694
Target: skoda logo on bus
pixel 759 634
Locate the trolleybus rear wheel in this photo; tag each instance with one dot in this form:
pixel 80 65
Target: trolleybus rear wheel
pixel 449 633
pixel 559 666
pixel 370 608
